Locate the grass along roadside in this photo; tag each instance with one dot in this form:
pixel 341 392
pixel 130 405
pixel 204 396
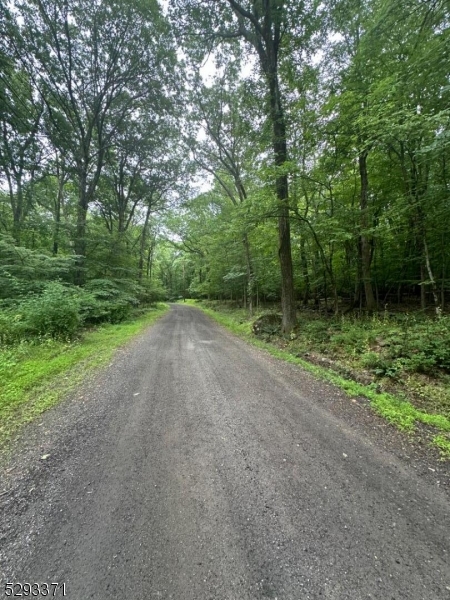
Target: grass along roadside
pixel 395 409
pixel 34 377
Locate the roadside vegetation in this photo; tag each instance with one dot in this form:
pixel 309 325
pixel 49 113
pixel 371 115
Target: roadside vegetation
pixel 399 361
pixel 52 332
pixel 37 372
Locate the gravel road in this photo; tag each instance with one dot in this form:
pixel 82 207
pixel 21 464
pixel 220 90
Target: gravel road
pixel 197 467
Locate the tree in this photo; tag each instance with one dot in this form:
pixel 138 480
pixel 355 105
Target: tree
pixel 20 119
pixel 92 64
pixel 262 26
pixel 224 151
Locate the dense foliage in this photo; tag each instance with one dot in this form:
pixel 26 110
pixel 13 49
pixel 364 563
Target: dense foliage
pixel 255 151
pixel 88 100
pixel 365 89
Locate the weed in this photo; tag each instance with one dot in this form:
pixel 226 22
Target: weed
pixel 443 443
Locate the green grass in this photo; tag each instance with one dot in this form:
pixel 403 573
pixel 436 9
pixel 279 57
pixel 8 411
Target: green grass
pixel 34 377
pixel 398 411
pixel 443 443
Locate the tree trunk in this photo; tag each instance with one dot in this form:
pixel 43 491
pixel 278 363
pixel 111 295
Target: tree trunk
pixel 150 260
pixel 142 244
pixel 249 274
pixel 80 236
pixel 288 309
pixel 431 278
pixel 366 253
pixel 57 224
pixel 265 20
pixel 305 273
pixel 18 214
pixel 423 298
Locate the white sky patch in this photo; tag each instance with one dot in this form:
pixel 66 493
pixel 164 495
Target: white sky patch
pixel 209 71
pixel 164 6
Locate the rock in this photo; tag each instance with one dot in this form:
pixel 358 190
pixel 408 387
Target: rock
pixel 268 324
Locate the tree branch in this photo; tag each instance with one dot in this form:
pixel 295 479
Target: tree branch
pixel 240 10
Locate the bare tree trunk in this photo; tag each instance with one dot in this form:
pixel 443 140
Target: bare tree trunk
pixel 80 236
pixel 142 244
pixel 58 204
pixel 431 278
pixel 261 26
pixel 150 261
pixel 423 299
pixel 17 215
pixel 305 272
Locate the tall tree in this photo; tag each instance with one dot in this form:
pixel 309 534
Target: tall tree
pixel 262 25
pixel 92 63
pixel 225 152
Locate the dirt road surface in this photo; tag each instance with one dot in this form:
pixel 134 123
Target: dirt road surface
pixel 196 467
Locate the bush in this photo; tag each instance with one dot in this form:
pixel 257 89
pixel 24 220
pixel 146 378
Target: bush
pixel 421 346
pixel 8 333
pixel 389 347
pixel 106 300
pixel 148 293
pixel 24 271
pixel 54 313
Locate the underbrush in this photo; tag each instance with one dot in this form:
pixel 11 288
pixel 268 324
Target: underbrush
pixel 34 375
pixel 388 345
pixel 401 362
pixel 59 311
pixel 406 353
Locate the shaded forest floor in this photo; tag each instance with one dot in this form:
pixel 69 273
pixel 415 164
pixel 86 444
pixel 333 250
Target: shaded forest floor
pixel 400 361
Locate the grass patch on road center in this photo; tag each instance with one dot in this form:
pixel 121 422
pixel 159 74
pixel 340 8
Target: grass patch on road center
pixel 34 377
pixel 395 409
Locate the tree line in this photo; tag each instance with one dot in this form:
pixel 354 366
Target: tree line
pixel 89 111
pixel 253 150
pixel 340 132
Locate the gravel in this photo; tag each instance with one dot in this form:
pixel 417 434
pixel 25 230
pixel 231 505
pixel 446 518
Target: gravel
pixel 197 467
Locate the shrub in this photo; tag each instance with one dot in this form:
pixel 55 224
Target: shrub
pixel 387 346
pixel 54 313
pixel 148 293
pixel 105 300
pixel 422 346
pixel 8 333
pixel 24 271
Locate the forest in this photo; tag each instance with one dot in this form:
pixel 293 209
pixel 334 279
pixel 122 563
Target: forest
pixel 290 155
